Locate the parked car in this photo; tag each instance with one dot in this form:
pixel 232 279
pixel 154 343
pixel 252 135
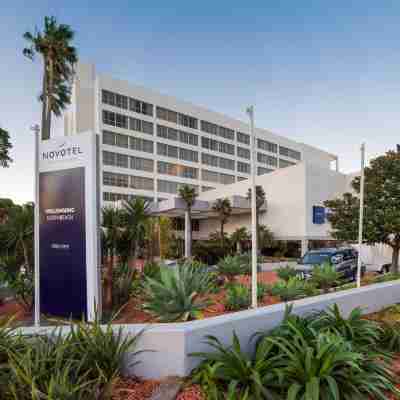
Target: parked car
pixel 344 260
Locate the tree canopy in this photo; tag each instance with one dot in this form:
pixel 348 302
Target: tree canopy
pixel 5 147
pixel 381 206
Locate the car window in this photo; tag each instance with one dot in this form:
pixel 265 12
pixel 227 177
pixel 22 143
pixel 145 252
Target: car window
pixel 315 258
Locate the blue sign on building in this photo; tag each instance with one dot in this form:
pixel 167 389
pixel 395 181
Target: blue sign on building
pixel 319 215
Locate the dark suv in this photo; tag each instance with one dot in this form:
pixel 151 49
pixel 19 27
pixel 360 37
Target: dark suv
pixel 344 260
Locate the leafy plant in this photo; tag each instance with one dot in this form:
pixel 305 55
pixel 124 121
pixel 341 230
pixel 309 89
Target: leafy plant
pixel 230 267
pixel 237 297
pixel 262 290
pixel 151 270
pixel 230 370
pixel 290 290
pixel 390 336
pixel 176 296
pixel 325 276
pixel 285 273
pixel 123 285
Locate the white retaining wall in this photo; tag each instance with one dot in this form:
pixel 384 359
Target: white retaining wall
pixel 171 344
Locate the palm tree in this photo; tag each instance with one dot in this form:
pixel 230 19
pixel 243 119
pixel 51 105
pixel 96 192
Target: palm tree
pixel 112 232
pixel 19 231
pixel 5 146
pixel 239 236
pixel 59 58
pixel 224 210
pixel 135 215
pixel 188 194
pixel 260 201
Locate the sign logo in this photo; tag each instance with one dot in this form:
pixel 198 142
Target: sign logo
pixel 62 152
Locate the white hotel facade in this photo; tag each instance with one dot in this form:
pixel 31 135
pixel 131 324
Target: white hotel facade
pixel 150 144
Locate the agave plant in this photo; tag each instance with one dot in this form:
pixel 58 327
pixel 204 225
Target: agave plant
pixel 325 276
pixel 231 266
pixel 289 290
pixel 356 329
pixel 231 370
pixel 176 296
pixel 390 336
pixel 285 273
pixel 237 297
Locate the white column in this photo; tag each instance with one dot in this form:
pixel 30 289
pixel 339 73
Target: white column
pixel 304 246
pixel 250 112
pixel 187 235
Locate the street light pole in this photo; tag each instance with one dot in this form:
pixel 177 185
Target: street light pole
pixel 361 219
pixel 36 131
pixel 250 112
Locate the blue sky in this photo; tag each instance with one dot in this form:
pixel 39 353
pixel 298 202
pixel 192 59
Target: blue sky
pixel 324 73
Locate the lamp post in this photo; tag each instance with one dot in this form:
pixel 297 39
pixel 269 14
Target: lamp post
pixel 361 219
pixel 250 113
pixel 36 131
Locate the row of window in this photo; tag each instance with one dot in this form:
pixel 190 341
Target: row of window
pixel 128 142
pixel 123 180
pixel 215 145
pixel 109 196
pixel 176 117
pixel 125 102
pixel 124 161
pixel 267 146
pixel 215 161
pixel 177 152
pixel 285 151
pixel 217 130
pixel 177 170
pixel 266 159
pixel 174 134
pixel 217 177
pixel 243 138
pixel 172 187
pixel 123 121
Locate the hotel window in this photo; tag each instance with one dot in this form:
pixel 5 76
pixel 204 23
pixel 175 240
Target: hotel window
pixel 167 115
pixel 141 126
pixel 210 176
pixel 122 140
pixel 121 121
pixel 217 130
pixel 209 159
pixel 140 107
pixel 285 163
pixel 108 158
pixel 142 164
pixel 267 146
pixel 226 179
pixel 243 167
pixel 243 153
pixel 108 118
pixel 210 144
pixel 167 133
pixel 139 144
pixel 226 148
pixel 141 183
pixel 108 97
pixel 109 138
pixel 121 101
pixel 262 171
pixel 241 178
pixel 243 138
pixel 113 179
pixel 206 188
pixel 226 133
pixel 284 151
pixel 188 155
pixel 266 159
pixel 122 161
pixel 167 150
pixel 172 187
pixel 188 138
pixel 186 120
pixel 226 163
pixel 176 170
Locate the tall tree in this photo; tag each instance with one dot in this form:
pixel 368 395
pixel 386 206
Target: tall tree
pixel 59 58
pixel 5 147
pixel 112 230
pixel 188 195
pixel 260 201
pixel 135 215
pixel 223 208
pixel 238 237
pixel 381 206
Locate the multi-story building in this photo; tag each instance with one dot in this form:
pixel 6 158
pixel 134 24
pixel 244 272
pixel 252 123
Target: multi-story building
pixel 152 143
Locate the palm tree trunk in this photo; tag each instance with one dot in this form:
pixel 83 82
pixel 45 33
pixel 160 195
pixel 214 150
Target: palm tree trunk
pixel 44 102
pixel 109 279
pixel 50 92
pixel 25 252
pixel 222 236
pixel 395 260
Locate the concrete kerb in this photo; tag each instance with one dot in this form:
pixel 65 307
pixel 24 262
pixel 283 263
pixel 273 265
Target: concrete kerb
pixel 172 344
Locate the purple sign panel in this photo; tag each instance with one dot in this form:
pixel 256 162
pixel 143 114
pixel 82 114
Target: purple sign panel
pixel 63 243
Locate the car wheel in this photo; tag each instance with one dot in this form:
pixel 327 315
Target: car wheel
pixel 385 269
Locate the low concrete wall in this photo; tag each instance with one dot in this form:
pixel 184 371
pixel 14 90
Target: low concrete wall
pixel 171 344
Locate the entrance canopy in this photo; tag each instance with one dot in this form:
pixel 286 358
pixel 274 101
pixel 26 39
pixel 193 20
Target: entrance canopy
pixel 202 209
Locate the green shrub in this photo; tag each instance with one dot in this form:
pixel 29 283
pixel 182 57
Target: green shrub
pixel 151 270
pixel 325 276
pixel 229 370
pixel 208 252
pixel 176 295
pixel 356 329
pixel 390 336
pixel 124 282
pixel 262 290
pixel 386 277
pixel 285 273
pixel 237 297
pixel 290 290
pixel 231 266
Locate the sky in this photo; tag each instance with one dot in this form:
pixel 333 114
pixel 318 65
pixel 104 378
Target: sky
pixel 320 72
